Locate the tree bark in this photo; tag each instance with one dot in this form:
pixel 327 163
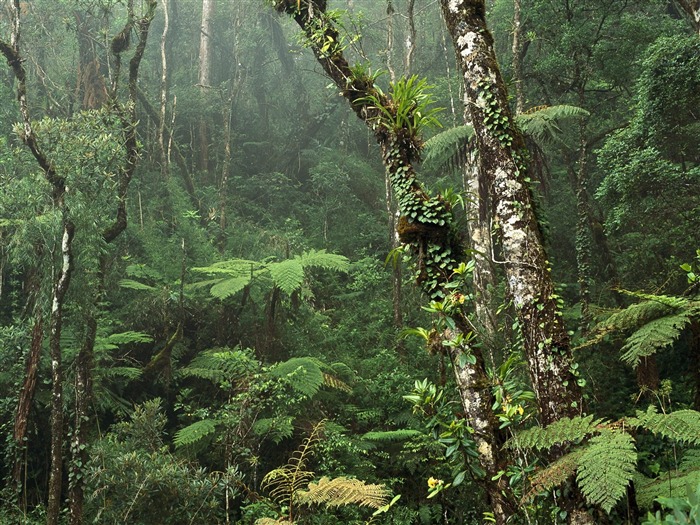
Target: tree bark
pixel 517 56
pixel 162 142
pixel 204 78
pixel 503 159
pixel 399 153
pixel 691 8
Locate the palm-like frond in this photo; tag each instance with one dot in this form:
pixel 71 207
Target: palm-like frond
pixel 285 482
pixel 541 123
pixel 341 491
pixel 606 467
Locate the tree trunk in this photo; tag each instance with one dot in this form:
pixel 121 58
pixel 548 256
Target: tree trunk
pixel 503 159
pixel 518 57
pixel 83 397
pixel 24 405
pixel 411 38
pixel 399 153
pixel 56 324
pixel 691 8
pixel 204 78
pixel 162 142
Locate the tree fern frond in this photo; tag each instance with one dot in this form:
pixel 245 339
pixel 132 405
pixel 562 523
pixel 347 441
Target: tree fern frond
pixel 123 372
pixel 195 432
pixel 333 382
pixel 113 341
pixel 542 122
pixel 283 483
pixel 303 373
pixel 232 268
pixel 447 151
pixel 561 431
pixel 228 287
pixel 634 316
pixel 288 275
pixel 554 474
pixel 680 425
pixel 341 491
pixel 653 336
pixel 323 259
pixel 271 521
pixel 220 364
pixel 136 285
pixel 606 467
pixel 690 460
pixel 671 301
pixel 392 435
pixel 274 428
pixel 668 484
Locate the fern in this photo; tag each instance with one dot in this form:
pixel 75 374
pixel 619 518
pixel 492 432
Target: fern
pixel 228 287
pixel 606 467
pixel 287 275
pixel 341 491
pixel 447 151
pixel 276 429
pixel 668 484
pixel 113 341
pixel 392 435
pixel 654 336
pixel 220 365
pixel 562 431
pixel 195 432
pixel 131 284
pixel 554 475
pixel 285 482
pixel 324 260
pixel 682 425
pixel 303 373
pixel 542 122
pixel 333 382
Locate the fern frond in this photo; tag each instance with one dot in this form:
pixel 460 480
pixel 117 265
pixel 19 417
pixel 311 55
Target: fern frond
pixel 113 341
pixel 195 432
pixel 333 382
pixel 542 122
pixel 653 336
pixel 669 484
pixel 691 460
pixel 220 364
pixel 562 431
pixel 634 316
pixel 392 435
pixel 124 372
pixel 303 373
pixel 274 428
pixel 606 468
pixel 341 491
pixel 271 521
pixel 287 275
pixel 324 260
pixel 136 285
pixel 671 301
pixel 285 482
pixel 228 287
pixel 680 425
pixel 554 474
pixel 231 268
pixel 447 151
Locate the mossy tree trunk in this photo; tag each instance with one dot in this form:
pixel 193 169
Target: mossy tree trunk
pixel 400 149
pixel 503 159
pixel 691 8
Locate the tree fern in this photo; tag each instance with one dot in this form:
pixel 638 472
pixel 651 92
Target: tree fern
pixel 391 435
pixel 555 474
pixel 541 123
pixel 324 260
pixel 654 336
pixel 285 482
pixel 227 278
pixel 682 425
pixel 447 151
pixel 287 275
pixel 195 433
pixel 562 431
pixel 303 373
pixel 669 484
pixel 274 428
pixel 606 467
pixel 341 491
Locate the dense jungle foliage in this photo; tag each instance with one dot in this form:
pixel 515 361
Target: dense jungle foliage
pixel 225 298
